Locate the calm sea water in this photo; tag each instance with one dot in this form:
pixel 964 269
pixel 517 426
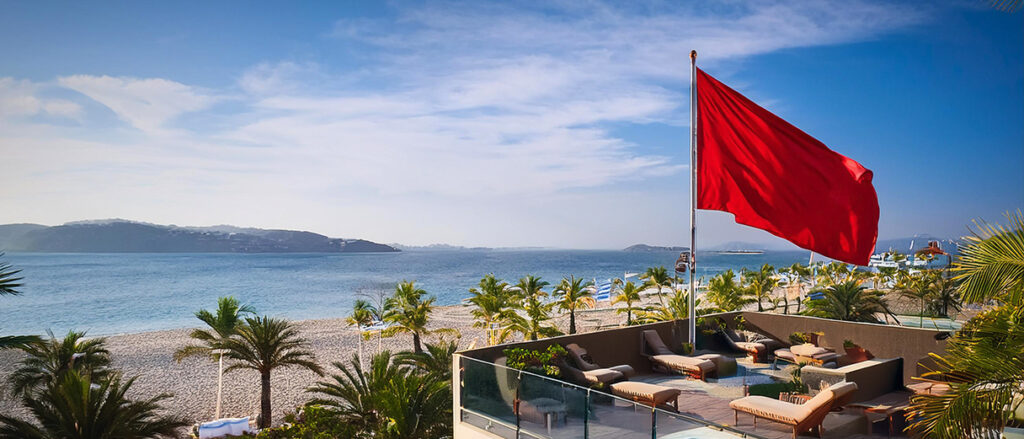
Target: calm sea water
pixel 127 292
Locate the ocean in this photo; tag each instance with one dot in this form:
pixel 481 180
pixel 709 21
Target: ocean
pixel 110 293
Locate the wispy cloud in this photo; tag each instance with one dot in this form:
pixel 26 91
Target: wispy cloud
pixel 447 107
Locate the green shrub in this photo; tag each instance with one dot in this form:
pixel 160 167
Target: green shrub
pixel 315 422
pixel 539 362
pixel 798 338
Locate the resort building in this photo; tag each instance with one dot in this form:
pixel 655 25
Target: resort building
pixel 750 376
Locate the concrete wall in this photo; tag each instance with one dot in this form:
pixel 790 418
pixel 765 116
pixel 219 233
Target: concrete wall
pixel 623 345
pixel 883 341
pixel 608 347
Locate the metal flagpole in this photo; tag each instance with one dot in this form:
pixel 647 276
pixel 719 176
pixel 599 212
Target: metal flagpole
pixel 693 200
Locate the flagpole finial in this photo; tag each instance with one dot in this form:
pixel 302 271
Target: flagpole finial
pixel 693 55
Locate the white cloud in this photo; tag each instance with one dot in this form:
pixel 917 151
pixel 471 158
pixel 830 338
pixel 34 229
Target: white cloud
pixel 147 104
pixel 474 123
pixel 20 98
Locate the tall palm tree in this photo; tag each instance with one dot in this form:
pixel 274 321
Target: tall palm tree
pixel 363 313
pixel 918 287
pixel 264 344
pixel 849 301
pixel 74 406
pixel 9 286
pixel 944 295
pixel 984 362
pixel 46 361
pixel 724 294
pixel 388 400
pixel 884 275
pixel 530 293
pixel 628 294
pixel 493 301
pixel 222 324
pixel 572 293
pixel 760 283
pixel 408 310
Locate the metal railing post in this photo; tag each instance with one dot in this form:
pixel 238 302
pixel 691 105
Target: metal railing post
pixel 586 416
pixel 654 423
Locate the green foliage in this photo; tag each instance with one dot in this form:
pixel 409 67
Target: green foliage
pixel 74 406
pixel 530 299
pixel 849 301
pixel 849 344
pixel 984 362
pixel 772 390
pixel 992 262
pixel 48 360
pixel 572 293
pixel 314 422
pixel 628 294
pixel 760 283
pixel 725 294
pixel 222 324
pixel 798 338
pixel 9 284
pixel 539 362
pixel 388 400
pixel 263 344
pixel 364 313
pixel 493 301
pixel 408 310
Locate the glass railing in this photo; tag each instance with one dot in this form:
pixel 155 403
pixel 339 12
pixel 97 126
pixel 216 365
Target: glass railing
pixel 511 403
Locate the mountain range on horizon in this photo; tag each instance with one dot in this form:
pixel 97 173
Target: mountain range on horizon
pixel 122 236
pixel 119 235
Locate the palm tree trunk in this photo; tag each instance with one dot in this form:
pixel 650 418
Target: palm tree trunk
pixel 572 321
pixel 629 314
pixel 416 346
pixel 265 412
pixel 760 308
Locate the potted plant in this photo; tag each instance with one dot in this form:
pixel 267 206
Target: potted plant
pixel 855 353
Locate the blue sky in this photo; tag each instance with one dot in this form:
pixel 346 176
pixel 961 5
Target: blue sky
pixel 551 124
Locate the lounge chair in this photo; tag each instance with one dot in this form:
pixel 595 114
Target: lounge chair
pixel 663 357
pixel 585 362
pixel 589 378
pixel 808 353
pixel 757 346
pixel 802 417
pixel 649 394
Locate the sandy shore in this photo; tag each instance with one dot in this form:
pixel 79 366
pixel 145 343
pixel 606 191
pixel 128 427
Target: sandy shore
pixel 193 382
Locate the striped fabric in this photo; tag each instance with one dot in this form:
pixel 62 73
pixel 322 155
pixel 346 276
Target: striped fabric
pixel 604 291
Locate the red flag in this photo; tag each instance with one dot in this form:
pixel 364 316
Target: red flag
pixel 774 177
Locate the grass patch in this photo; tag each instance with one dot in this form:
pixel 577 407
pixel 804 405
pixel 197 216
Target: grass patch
pixel 771 390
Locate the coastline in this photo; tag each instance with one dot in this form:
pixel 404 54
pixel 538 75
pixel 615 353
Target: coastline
pixel 193 382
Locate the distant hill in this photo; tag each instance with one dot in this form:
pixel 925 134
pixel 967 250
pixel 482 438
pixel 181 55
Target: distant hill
pixel 120 236
pixel 653 248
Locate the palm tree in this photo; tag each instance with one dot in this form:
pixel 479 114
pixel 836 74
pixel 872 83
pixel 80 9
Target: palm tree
pixel 656 277
pixel 435 361
pixel 493 303
pixel 388 400
pixel 984 362
pixel 760 283
pixel 628 294
pixel 264 344
pixel 916 286
pixel 222 324
pixel 73 406
pixel 884 275
pixel 408 311
pixel 849 301
pixel 724 294
pixel 9 286
pixel 676 308
pixel 363 314
pixel 531 294
pixel 944 295
pixel 573 293
pixel 48 360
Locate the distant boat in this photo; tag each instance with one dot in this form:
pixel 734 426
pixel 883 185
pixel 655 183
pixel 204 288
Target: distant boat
pixel 741 252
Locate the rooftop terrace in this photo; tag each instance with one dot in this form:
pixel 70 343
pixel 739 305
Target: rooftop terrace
pixel 494 401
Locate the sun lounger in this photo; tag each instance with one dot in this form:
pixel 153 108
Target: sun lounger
pixel 802 417
pixel 662 356
pixel 649 394
pixel 756 346
pixel 807 353
pixel 586 363
pixel 224 427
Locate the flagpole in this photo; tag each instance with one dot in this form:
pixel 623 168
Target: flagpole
pixel 692 336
